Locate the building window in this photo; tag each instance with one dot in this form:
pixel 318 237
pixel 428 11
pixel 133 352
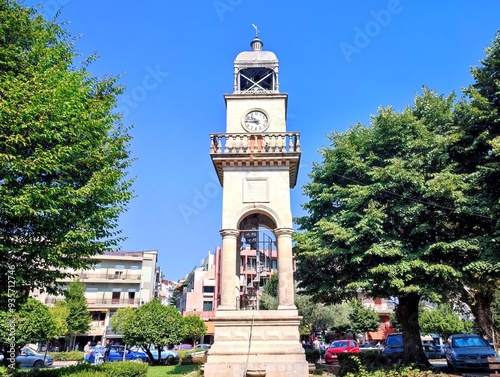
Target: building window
pixel 207 306
pixel 131 297
pixel 115 298
pixel 208 289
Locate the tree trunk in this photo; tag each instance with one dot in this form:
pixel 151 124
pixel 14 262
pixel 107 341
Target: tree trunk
pixel 479 301
pixel 407 315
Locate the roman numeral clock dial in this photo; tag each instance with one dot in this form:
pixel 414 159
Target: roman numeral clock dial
pixel 255 121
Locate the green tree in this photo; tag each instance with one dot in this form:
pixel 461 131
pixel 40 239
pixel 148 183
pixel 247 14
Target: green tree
pixel 63 152
pixel 120 319
pixel 393 319
pixel 476 157
pixel 173 298
pixel 379 202
pixel 60 313
pixel 194 327
pixel 361 318
pixel 154 323
pixel 79 319
pixel 32 323
pixel 269 298
pixel 271 286
pixel 444 321
pixel 36 324
pixel 315 316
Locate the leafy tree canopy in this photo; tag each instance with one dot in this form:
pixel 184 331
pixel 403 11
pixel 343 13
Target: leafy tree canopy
pixel 32 323
pixel 444 321
pixel 408 206
pixel 194 327
pixel 361 318
pixel 380 201
pixel 78 320
pixel 154 323
pixel 63 154
pixel 120 319
pixel 60 313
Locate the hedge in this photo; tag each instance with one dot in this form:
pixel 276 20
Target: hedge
pixel 119 369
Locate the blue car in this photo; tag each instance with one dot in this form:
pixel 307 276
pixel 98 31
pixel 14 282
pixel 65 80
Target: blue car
pixel 116 354
pixel 394 347
pixel 29 358
pixel 468 351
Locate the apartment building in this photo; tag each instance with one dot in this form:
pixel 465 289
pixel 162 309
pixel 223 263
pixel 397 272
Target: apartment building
pixel 383 307
pixel 166 291
pixel 198 293
pixel 120 279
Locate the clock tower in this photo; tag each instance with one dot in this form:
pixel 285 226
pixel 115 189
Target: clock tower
pixel 257 162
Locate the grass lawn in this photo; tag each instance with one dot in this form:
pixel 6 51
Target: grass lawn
pixel 173 370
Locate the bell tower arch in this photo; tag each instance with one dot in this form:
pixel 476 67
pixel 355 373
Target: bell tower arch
pixel 257 162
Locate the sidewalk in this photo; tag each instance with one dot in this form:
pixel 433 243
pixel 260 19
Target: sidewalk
pixel 61 364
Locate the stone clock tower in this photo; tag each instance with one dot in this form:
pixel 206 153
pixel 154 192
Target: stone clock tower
pixel 257 163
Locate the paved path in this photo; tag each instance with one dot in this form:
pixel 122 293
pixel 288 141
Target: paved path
pixel 60 364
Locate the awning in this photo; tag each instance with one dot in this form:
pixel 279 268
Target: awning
pixel 381 334
pixel 210 328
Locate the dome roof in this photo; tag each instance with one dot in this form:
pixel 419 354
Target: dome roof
pixel 256 56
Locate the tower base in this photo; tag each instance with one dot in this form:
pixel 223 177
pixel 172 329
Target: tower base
pixel 250 341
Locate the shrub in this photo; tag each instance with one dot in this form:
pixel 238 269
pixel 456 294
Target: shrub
pixel 313 355
pixel 67 356
pixel 119 369
pixel 359 366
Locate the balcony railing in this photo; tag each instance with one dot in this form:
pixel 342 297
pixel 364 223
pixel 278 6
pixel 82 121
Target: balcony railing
pixel 244 143
pixel 101 301
pixel 111 276
pixel 112 301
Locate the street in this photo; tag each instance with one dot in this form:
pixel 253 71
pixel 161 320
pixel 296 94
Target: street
pixel 441 364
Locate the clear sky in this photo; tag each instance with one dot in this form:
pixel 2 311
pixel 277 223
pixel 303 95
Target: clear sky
pixel 340 60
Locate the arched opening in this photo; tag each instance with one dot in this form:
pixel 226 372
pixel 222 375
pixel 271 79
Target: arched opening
pixel 258 258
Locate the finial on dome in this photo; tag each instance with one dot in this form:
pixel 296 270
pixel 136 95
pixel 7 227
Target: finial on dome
pixel 256 43
pixel 256 31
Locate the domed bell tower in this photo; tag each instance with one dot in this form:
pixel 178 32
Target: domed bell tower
pixel 257 162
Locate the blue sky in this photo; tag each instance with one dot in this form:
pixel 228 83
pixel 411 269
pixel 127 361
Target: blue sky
pixel 340 60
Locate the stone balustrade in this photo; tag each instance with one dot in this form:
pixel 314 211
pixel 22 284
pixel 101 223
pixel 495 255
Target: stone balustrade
pixel 246 143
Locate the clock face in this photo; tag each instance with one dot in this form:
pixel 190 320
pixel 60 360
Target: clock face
pixel 255 121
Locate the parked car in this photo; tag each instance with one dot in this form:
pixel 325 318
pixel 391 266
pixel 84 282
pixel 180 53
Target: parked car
pixel 371 347
pixel 183 347
pixel 199 350
pixel 206 346
pixel 433 352
pixel 340 346
pixel 169 357
pixel 29 358
pixel 465 351
pixel 393 348
pixel 116 354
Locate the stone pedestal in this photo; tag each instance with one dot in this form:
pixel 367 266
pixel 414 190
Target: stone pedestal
pixel 266 340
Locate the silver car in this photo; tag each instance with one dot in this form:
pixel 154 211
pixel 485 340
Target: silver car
pixel 29 358
pixel 468 351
